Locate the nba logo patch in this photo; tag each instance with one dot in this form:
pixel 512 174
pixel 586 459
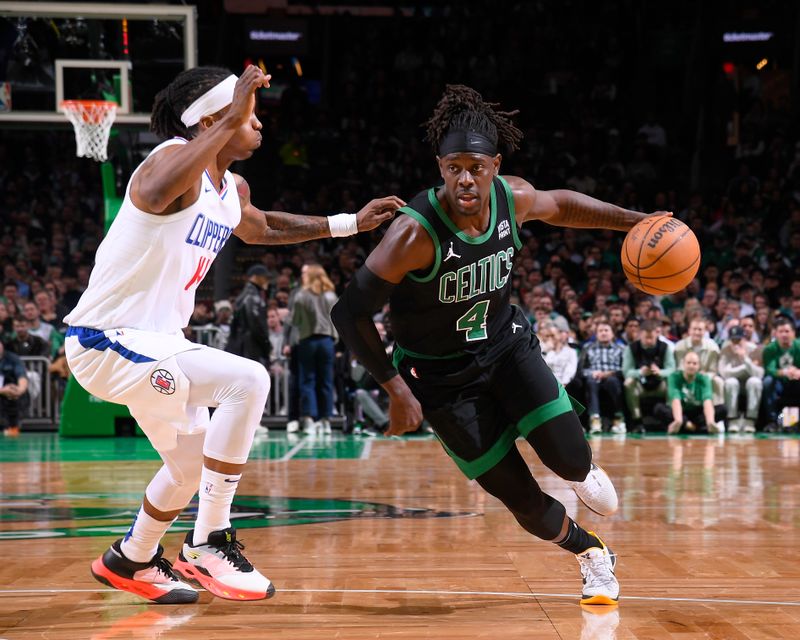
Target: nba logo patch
pixel 163 382
pixel 208 488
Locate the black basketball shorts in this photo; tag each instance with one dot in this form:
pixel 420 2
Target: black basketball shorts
pixel 479 404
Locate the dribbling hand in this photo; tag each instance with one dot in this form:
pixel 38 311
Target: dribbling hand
pixel 378 211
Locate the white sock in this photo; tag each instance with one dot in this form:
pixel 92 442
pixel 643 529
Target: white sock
pixel 141 542
pixel 216 496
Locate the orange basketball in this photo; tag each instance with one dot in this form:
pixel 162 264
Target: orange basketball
pixel 660 255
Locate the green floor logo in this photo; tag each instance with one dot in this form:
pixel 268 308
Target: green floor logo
pixel 25 517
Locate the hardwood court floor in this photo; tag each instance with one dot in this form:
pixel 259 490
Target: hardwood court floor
pixel 385 539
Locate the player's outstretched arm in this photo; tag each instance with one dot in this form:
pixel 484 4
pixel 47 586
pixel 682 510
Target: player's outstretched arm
pixel 174 173
pixel 279 227
pixel 565 208
pixel 405 247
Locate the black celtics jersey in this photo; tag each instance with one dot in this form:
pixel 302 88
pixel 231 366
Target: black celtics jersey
pixel 463 299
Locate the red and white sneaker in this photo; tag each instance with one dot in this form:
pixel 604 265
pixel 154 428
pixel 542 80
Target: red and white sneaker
pixel 597 491
pixel 219 567
pixel 154 580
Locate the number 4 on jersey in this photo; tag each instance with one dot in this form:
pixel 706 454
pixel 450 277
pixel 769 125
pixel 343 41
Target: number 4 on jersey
pixel 474 321
pixel 202 268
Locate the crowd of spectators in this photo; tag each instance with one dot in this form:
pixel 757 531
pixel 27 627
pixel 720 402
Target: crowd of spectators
pixel 586 128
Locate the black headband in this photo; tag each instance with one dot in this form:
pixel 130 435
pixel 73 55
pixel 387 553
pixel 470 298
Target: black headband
pixel 466 142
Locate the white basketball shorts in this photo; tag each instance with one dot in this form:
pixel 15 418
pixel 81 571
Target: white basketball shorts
pixel 138 369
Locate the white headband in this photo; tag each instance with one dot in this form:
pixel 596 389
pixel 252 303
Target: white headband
pixel 217 97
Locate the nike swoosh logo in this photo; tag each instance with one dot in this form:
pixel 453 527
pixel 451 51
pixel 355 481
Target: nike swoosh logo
pixel 229 480
pixel 207 189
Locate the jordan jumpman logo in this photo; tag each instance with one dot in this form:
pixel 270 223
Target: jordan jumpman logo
pixel 450 254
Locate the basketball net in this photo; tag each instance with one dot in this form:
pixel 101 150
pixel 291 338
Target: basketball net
pixel 92 120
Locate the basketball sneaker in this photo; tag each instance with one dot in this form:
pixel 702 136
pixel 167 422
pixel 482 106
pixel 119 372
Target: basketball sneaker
pixel 219 567
pixel 595 424
pixel 734 425
pixel 154 580
pixel 600 585
pixel 597 491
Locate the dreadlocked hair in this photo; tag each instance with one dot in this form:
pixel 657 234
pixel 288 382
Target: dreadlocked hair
pixel 463 109
pixel 172 101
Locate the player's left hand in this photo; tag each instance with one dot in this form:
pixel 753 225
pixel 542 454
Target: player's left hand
pixel 662 213
pixel 378 211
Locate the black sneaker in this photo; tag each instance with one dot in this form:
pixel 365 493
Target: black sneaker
pixel 154 580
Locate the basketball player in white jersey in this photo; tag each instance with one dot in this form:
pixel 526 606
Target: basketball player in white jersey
pixel 125 345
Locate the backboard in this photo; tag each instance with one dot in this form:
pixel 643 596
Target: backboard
pixel 79 50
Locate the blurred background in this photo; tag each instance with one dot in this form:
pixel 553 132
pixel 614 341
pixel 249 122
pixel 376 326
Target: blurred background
pixel 689 106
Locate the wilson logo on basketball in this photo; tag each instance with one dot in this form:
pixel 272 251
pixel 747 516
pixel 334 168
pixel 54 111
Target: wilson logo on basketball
pixel 668 227
pixel 163 382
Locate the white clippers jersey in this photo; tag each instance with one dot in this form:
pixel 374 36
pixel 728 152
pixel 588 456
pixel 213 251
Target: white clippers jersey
pixel 148 266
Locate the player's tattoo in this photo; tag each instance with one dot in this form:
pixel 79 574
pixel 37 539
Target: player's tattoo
pixel 288 228
pixel 578 210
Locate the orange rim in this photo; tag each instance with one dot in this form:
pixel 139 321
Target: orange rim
pixel 90 110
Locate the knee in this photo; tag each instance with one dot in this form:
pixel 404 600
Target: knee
pixel 573 464
pixel 731 385
pixel 575 470
pixel 754 384
pixel 192 478
pixel 631 383
pixel 254 379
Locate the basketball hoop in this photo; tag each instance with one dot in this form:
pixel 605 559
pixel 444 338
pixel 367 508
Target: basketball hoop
pixel 92 120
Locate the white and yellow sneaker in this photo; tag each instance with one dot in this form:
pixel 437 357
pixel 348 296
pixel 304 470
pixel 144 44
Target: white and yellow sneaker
pixel 597 491
pixel 600 585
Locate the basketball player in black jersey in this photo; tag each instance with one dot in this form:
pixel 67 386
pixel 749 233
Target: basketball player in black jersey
pixel 465 358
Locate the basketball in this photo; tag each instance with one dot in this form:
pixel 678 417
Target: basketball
pixel 660 255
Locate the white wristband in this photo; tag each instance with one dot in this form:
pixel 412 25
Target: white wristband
pixel 343 224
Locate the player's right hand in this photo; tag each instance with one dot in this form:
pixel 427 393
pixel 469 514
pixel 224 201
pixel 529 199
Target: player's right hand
pixel 405 412
pixel 244 94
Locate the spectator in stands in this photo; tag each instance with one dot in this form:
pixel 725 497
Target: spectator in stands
pixel 276 337
pixel 12 298
pixel 782 368
pixel 630 332
pixel 748 325
pixel 559 356
pixel 708 352
pixel 646 364
pixel 223 311
pixel 616 316
pixel 25 343
pixel 601 362
pixel 249 336
pixel 47 310
pixel 35 324
pixel 370 400
pixel 311 314
pixel 763 325
pixel 13 391
pixel 741 374
pixel 690 407
pixel 6 323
